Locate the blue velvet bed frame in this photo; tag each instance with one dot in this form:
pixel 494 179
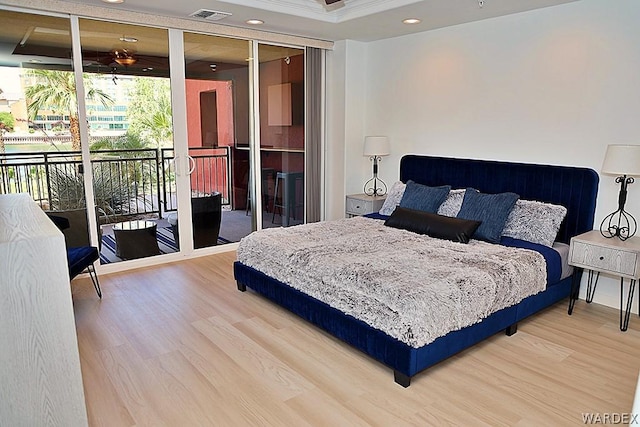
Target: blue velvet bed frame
pixel 574 188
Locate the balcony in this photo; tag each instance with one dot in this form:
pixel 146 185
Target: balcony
pixel 128 185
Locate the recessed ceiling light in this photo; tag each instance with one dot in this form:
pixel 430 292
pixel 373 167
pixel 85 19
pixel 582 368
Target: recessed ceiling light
pixel 411 21
pixel 113 1
pixel 254 22
pixel 128 39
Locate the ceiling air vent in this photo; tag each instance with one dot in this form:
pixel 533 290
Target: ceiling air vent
pixel 211 15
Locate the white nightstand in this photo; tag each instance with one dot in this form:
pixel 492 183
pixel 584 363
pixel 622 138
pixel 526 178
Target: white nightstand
pixel 598 254
pixel 361 204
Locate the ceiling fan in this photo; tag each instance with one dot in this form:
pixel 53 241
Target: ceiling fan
pixel 329 2
pixel 124 57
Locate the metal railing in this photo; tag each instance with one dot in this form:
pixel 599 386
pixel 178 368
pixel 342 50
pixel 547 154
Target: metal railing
pixel 53 140
pixel 211 172
pixel 126 182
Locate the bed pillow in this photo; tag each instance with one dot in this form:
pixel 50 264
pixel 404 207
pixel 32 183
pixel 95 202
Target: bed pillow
pixel 424 198
pixel 433 225
pixel 393 198
pixel 492 210
pixel 535 222
pixel 451 205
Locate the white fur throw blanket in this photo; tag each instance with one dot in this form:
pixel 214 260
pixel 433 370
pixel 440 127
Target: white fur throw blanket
pixel 413 287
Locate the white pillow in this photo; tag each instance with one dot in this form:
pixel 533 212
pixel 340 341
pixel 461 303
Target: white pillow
pixel 453 202
pixel 393 198
pixel 534 222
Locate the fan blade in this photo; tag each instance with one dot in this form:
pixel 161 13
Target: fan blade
pixel 328 2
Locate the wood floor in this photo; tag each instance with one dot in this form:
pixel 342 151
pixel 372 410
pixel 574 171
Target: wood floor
pixel 178 345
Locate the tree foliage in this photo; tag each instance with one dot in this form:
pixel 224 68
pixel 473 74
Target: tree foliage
pixel 149 111
pixel 6 125
pixel 7 122
pixel 128 141
pixel 56 91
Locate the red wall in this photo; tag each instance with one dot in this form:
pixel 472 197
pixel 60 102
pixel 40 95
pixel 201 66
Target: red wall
pixel 225 111
pixel 284 137
pixel 204 175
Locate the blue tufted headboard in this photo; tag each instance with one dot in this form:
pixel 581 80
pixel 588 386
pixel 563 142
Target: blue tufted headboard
pixel 572 187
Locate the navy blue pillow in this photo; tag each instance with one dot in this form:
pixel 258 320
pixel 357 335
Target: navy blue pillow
pixel 492 210
pixel 423 198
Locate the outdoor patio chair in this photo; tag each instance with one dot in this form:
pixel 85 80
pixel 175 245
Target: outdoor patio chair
pixel 79 258
pixel 206 215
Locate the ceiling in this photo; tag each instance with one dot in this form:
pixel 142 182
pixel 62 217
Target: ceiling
pixel 38 41
pixel 362 20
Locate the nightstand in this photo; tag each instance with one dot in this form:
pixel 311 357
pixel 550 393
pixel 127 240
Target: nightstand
pixel 597 254
pixel 362 204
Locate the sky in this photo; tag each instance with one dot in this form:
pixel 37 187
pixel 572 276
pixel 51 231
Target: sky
pixel 10 83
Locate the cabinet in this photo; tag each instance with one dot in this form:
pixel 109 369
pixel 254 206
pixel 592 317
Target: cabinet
pixel 285 104
pixel 597 254
pixel 40 377
pixel 362 204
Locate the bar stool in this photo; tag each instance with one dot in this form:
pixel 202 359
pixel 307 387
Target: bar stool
pixel 267 176
pixel 288 183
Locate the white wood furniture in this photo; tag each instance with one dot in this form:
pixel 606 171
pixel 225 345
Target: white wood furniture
pixel 598 254
pixel 362 204
pixel 40 377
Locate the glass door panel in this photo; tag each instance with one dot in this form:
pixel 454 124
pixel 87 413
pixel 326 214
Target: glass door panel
pixel 217 98
pixel 39 145
pixel 282 127
pixel 128 111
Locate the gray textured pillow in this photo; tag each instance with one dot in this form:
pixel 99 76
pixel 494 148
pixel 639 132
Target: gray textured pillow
pixel 535 222
pixel 451 205
pixel 393 198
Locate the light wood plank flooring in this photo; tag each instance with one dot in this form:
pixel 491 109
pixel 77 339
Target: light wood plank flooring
pixel 178 345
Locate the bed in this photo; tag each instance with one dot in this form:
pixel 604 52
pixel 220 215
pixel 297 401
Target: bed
pixel 571 187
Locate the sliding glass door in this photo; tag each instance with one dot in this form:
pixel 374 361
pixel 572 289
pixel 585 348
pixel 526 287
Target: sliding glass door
pixel 39 138
pixel 282 134
pixel 217 107
pixel 130 128
pixel 189 140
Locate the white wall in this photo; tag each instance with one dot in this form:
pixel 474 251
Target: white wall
pixel 554 85
pixel 345 118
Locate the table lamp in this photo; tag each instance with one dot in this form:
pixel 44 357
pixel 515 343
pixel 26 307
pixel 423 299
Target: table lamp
pixel 375 147
pixel 624 161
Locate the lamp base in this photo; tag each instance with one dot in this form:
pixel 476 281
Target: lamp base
pixel 375 181
pixel 375 187
pixel 619 224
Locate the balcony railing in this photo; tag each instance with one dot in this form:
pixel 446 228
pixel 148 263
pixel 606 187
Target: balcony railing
pixel 210 172
pixel 126 182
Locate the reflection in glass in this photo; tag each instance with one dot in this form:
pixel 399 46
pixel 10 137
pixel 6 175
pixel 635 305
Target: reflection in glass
pixel 282 133
pixel 217 91
pixel 130 130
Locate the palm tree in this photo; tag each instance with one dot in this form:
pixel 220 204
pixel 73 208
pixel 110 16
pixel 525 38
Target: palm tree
pixel 150 110
pixel 56 90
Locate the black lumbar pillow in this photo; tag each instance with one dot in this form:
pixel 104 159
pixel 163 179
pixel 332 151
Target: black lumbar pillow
pixel 433 225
